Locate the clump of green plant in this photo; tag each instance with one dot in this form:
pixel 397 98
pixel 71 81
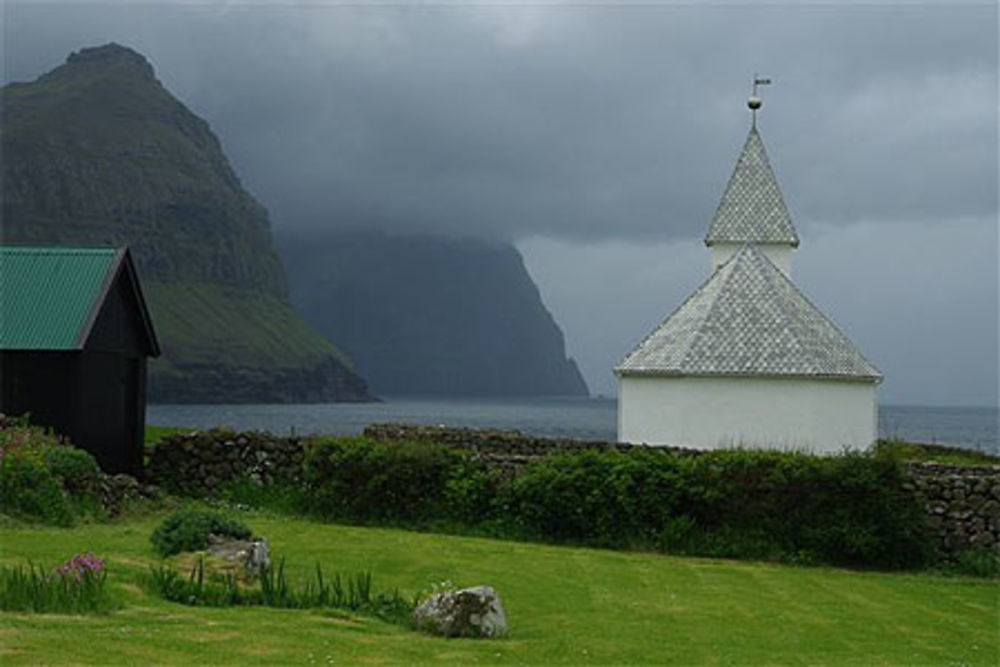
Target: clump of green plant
pixel 44 478
pixel 189 530
pixel 29 491
pixel 278 495
pixel 75 468
pixel 272 589
pixel 977 563
pixel 360 480
pixel 78 586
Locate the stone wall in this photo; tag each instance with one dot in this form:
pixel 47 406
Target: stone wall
pixel 962 502
pixel 200 462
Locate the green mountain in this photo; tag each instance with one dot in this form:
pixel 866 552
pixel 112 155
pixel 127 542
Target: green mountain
pixel 98 152
pixel 429 315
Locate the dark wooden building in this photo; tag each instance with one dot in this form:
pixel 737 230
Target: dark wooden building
pixel 74 338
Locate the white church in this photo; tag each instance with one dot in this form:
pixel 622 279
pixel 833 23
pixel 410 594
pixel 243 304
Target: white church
pixel 747 361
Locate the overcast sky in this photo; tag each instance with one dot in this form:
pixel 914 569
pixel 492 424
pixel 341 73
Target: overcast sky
pixel 599 140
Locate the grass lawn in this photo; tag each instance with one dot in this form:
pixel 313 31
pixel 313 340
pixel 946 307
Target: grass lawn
pixel 153 434
pixel 564 605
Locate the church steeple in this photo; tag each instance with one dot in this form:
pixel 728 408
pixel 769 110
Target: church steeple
pixel 752 209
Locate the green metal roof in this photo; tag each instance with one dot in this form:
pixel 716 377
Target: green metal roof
pixel 49 296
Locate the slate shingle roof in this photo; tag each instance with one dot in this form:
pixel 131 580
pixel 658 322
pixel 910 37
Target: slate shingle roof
pixel 752 209
pixel 748 319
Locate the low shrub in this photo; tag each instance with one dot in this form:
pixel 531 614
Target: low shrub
pixel 28 490
pixel 78 586
pixel 44 478
pixel 359 480
pixel 189 530
pixel 75 468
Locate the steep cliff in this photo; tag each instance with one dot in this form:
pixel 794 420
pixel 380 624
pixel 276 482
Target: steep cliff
pixel 426 315
pixel 98 152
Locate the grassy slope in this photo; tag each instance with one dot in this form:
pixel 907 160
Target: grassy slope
pixel 210 324
pixel 565 605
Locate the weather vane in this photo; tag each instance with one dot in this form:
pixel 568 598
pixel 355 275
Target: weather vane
pixel 754 102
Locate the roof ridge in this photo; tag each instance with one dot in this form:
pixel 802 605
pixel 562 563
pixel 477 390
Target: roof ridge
pixel 691 297
pixel 729 267
pixel 780 275
pixel 58 249
pixel 776 279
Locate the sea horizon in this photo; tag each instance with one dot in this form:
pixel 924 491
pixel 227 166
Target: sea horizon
pixel 576 418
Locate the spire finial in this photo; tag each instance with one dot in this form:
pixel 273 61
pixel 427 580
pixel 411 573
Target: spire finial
pixel 754 102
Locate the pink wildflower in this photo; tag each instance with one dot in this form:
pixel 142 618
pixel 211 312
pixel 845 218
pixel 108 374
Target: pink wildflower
pixel 80 565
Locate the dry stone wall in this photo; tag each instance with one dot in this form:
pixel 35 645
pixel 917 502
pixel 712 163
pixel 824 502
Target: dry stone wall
pixel 962 502
pixel 200 462
pixel 963 505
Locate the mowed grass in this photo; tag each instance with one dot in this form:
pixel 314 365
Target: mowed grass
pixel 565 605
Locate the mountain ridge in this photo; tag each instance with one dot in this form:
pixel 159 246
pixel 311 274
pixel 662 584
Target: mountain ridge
pixel 98 152
pixel 431 315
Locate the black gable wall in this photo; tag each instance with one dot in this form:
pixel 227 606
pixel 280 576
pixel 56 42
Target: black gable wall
pixel 111 381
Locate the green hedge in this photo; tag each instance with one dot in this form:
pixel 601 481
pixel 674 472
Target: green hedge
pixel 358 480
pixel 849 509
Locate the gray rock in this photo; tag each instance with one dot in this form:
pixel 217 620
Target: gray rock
pixel 251 554
pixel 470 612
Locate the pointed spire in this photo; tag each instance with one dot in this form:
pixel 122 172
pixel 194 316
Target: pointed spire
pixel 752 209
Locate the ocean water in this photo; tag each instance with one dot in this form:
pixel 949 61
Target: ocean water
pixel 576 418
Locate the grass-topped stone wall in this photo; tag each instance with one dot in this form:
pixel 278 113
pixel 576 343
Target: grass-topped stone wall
pixel 200 463
pixel 859 509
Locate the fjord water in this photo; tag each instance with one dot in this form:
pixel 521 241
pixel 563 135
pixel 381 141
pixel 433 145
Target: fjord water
pixel 576 418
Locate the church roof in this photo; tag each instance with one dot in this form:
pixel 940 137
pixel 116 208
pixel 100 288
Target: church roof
pixel 748 319
pixel 752 209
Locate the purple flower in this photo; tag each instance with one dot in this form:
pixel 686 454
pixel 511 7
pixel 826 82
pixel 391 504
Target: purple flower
pixel 80 565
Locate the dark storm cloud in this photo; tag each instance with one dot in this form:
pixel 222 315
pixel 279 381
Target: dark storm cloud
pixel 600 139
pixel 576 122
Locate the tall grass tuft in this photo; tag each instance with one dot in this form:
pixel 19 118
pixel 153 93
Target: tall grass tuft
pixel 352 592
pixel 78 586
pixel 978 563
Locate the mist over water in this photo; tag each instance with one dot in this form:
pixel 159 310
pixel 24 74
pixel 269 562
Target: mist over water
pixel 574 418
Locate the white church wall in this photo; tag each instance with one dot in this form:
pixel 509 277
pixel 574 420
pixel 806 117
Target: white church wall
pixel 779 254
pixel 820 416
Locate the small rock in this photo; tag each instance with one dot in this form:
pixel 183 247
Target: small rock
pixel 251 554
pixel 470 612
